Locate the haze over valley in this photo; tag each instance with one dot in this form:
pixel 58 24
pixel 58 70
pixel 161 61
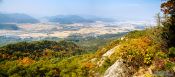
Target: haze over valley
pixel 62 26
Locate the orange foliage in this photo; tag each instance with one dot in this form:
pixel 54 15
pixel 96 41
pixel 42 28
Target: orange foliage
pixel 26 61
pixel 89 65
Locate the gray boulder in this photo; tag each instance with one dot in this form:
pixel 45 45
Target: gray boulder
pixel 118 69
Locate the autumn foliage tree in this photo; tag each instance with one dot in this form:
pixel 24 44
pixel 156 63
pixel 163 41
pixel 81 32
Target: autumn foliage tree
pixel 168 8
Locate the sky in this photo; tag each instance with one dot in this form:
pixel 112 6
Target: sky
pixel 129 9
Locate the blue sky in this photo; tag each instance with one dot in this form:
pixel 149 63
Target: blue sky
pixel 130 9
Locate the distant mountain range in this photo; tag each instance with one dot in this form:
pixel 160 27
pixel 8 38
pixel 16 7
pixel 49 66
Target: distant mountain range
pixel 62 19
pixel 17 18
pixel 9 27
pixel 70 19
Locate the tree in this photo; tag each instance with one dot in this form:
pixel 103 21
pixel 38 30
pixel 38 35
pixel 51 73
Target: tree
pixel 168 8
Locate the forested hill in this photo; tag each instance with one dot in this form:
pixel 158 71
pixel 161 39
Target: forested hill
pixel 39 49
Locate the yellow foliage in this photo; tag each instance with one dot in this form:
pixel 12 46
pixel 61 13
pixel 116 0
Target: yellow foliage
pixel 140 45
pixel 137 50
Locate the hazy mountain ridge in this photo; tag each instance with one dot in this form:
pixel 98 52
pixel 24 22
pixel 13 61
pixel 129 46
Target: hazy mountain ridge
pixel 9 27
pixel 70 19
pixel 17 18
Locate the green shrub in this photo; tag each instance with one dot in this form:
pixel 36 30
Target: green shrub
pixel 171 52
pixel 169 65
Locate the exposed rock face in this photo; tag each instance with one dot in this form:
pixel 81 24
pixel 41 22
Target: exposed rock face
pixel 110 52
pixel 118 69
pixel 107 55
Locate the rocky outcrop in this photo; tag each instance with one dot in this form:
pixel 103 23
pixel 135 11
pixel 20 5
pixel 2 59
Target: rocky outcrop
pixel 110 52
pixel 107 55
pixel 119 69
